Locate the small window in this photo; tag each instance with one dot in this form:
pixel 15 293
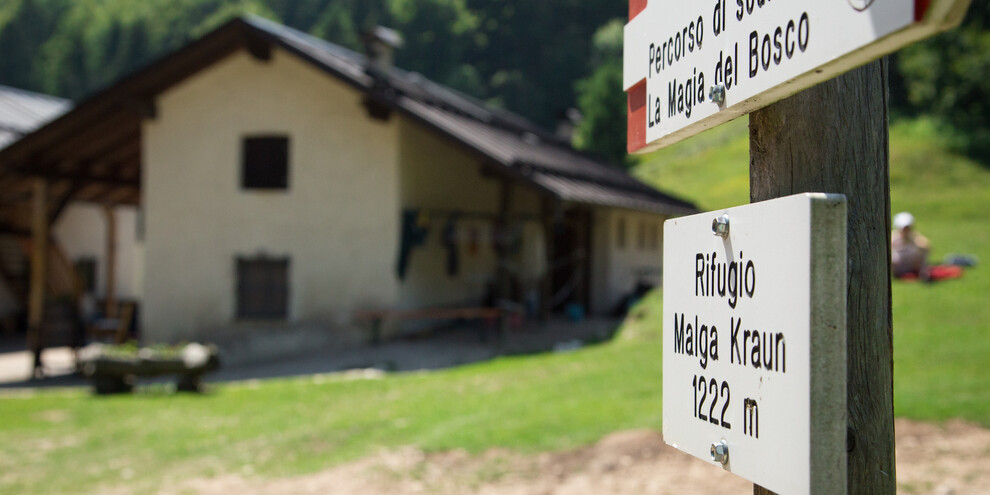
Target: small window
pixel 265 163
pixel 262 288
pixel 641 238
pixel 620 241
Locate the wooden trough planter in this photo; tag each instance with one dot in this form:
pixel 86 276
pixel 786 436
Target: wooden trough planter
pixel 113 369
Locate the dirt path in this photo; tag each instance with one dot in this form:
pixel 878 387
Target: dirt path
pixel 943 460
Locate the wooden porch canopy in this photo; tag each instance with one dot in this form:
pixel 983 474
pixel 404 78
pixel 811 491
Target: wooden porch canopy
pixel 92 153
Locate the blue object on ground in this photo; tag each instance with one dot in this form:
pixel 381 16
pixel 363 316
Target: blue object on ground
pixel 574 311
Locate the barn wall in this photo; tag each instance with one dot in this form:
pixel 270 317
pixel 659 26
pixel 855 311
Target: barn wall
pixel 337 222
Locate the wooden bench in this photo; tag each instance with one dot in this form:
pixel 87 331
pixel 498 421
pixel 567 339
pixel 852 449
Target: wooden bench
pixel 113 373
pixel 376 318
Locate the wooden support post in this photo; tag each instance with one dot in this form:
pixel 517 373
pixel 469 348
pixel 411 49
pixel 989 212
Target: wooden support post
pixel 111 263
pixel 546 285
pixel 834 138
pixel 39 271
pixel 503 278
pixel 583 265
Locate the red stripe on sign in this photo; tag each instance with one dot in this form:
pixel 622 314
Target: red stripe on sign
pixel 635 7
pixel 920 9
pixel 636 117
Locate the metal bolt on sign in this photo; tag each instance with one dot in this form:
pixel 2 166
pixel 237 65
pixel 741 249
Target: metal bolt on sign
pixel 717 94
pixel 720 226
pixel 720 452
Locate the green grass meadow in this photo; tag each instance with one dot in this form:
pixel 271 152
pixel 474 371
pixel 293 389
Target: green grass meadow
pixel 68 441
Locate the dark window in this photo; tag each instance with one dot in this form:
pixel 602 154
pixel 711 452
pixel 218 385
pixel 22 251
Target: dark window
pixel 266 163
pixel 262 288
pixel 86 269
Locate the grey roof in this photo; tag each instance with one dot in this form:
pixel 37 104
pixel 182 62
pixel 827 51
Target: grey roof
pixel 504 138
pixel 23 111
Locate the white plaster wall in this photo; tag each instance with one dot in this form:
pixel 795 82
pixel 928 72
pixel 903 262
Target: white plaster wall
pixel 617 269
pixel 438 176
pixel 81 230
pixel 338 221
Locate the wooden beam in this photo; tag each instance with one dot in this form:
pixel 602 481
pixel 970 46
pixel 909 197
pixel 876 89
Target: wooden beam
pixel 90 143
pixel 127 153
pixel 63 202
pixel 503 277
pixel 117 195
pixel 834 138
pixel 17 230
pixel 133 199
pixel 16 188
pixel 117 167
pixel 111 262
pixel 39 271
pixel 142 106
pixel 583 219
pixel 549 232
pixel 128 169
pixel 258 47
pixel 90 192
pixel 86 179
pixel 79 157
pixel 110 195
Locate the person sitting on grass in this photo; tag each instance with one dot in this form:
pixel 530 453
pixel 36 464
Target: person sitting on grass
pixel 908 249
pixel 909 254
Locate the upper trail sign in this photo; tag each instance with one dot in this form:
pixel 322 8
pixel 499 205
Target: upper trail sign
pixel 690 66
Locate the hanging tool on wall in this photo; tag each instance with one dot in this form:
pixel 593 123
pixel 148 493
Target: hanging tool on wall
pixel 414 231
pixel 449 239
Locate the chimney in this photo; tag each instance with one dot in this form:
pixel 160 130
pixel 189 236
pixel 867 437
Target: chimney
pixel 567 122
pixel 379 45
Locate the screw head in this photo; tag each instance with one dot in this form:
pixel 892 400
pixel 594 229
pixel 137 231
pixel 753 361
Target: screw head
pixel 720 226
pixel 720 452
pixel 717 94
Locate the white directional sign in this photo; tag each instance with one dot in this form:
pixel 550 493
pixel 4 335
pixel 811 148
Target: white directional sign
pixel 689 66
pixel 754 338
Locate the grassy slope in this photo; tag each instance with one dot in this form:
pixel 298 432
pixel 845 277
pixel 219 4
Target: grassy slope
pixel 710 169
pixel 941 331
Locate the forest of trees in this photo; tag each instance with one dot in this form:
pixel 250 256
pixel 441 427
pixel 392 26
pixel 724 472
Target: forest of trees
pixel 532 57
pixel 521 55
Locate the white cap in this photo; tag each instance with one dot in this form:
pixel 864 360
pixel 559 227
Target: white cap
pixel 903 219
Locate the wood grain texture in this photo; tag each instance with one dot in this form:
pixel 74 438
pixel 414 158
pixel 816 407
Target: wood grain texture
pixel 834 138
pixel 40 230
pixel 39 258
pixel 110 282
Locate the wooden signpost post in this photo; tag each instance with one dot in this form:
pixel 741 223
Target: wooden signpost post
pixel 818 99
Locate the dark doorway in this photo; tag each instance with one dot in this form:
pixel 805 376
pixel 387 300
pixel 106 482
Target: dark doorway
pixel 571 263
